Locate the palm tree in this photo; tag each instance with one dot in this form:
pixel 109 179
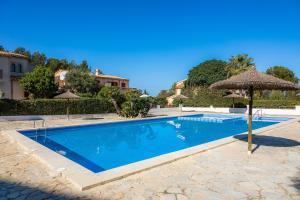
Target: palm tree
pixel 239 63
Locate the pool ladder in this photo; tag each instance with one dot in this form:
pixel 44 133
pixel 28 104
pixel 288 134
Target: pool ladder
pixel 37 129
pixel 257 114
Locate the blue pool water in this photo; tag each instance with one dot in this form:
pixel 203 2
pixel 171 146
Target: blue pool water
pixel 101 147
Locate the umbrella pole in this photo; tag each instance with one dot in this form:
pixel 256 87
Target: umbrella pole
pixel 233 102
pixel 68 110
pixel 250 121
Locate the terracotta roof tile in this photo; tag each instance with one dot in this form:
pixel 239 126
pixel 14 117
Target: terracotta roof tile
pixel 10 54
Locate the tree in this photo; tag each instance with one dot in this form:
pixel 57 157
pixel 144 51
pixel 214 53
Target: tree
pixel 238 64
pixel 81 81
pixel 22 51
pixel 145 92
pixel 39 82
pixel 112 94
pixel 38 59
pixel 53 64
pixel 83 66
pixel 135 105
pixel 283 73
pixel 207 73
pixel 2 48
pixel 165 93
pixel 132 94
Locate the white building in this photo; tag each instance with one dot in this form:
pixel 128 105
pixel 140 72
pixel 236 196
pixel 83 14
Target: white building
pixel 12 68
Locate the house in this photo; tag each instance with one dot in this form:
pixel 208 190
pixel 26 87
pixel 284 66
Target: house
pixel 12 68
pixel 102 79
pixel 109 80
pixel 59 78
pixel 178 88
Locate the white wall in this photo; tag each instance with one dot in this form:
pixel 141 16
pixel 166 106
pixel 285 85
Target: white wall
pixel 264 111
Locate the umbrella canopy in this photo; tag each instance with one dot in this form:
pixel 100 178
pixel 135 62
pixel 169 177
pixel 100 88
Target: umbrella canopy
pixel 180 96
pixel 233 95
pixel 66 95
pixel 253 80
pixel 256 80
pixel 144 96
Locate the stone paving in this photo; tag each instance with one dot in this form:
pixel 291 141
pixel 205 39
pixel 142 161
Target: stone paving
pixel 272 172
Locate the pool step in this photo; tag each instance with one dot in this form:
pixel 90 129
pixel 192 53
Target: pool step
pixel 209 119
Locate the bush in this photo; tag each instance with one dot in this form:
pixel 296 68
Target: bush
pixel 54 106
pixel 39 83
pixel 203 97
pixel 134 108
pixel 276 103
pixel 160 101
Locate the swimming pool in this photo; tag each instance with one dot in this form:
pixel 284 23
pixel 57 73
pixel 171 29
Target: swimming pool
pixel 101 147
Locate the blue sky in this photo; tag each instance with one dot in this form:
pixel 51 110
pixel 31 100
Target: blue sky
pixel 155 43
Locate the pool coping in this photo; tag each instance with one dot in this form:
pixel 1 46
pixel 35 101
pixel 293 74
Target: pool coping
pixel 85 179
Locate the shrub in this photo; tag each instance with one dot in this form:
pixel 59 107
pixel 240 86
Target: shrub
pixel 276 103
pixel 39 83
pixel 160 101
pixel 143 106
pixel 203 97
pixel 138 107
pixel 54 106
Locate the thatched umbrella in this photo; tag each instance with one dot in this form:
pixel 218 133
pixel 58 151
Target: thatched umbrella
pixel 67 95
pixel 253 80
pixel 233 96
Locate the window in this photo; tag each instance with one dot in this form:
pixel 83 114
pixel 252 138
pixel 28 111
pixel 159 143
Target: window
pixel 13 67
pixel 19 68
pixel 114 84
pixel 123 84
pixel 1 74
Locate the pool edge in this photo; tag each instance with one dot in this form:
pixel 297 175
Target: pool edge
pixel 85 179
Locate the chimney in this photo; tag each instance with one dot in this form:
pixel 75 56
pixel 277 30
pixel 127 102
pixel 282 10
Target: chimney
pixel 98 72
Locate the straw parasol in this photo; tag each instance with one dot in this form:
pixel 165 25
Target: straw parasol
pixel 233 96
pixel 67 95
pixel 253 80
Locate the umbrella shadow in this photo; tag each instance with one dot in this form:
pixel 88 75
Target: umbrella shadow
pixel 296 182
pixel 13 190
pixel 263 140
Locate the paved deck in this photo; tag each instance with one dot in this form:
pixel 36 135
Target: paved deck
pixel 272 172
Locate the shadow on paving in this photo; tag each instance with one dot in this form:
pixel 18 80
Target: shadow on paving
pixel 263 140
pixel 296 182
pixel 11 190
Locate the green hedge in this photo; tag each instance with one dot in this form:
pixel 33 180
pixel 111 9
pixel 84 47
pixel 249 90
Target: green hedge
pixel 276 103
pixel 54 107
pixel 242 103
pixel 204 97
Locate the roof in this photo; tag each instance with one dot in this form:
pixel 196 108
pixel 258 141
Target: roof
pixel 144 96
pixel 177 96
pixel 180 96
pixel 180 84
pixel 10 54
pixel 256 80
pixel 110 77
pixel 66 95
pixel 60 71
